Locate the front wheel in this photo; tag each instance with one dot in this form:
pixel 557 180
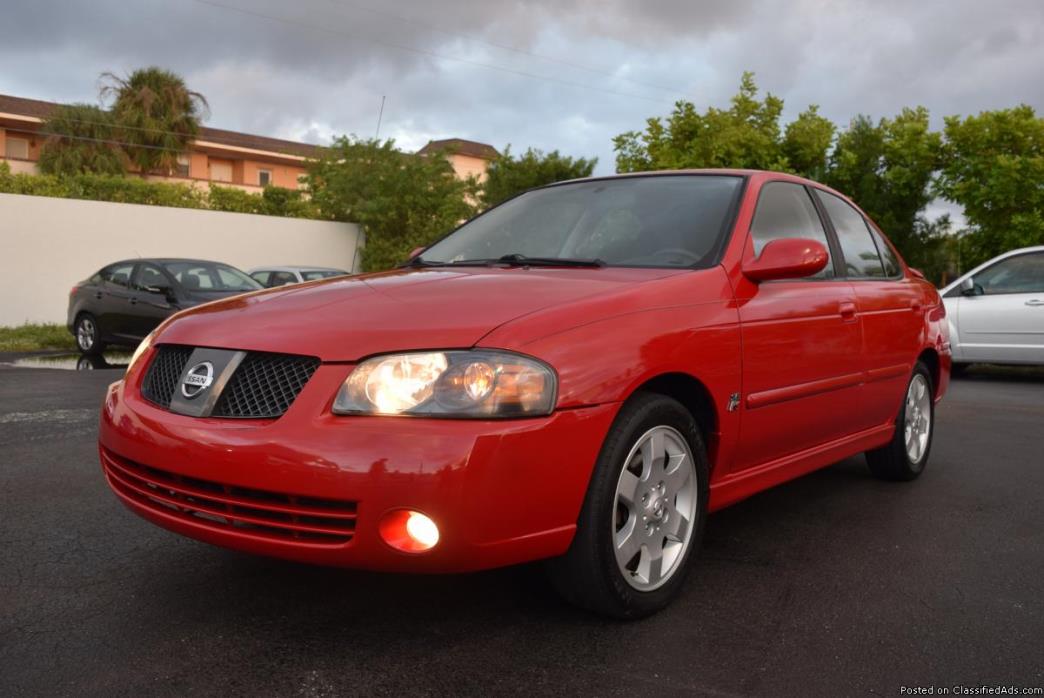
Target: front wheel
pixel 643 515
pixel 906 455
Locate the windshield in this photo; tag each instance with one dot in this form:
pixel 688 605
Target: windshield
pixel 208 276
pixel 658 221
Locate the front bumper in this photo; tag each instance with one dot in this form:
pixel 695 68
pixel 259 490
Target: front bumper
pixel 501 491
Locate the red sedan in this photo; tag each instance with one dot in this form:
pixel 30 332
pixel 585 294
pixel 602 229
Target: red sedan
pixel 580 374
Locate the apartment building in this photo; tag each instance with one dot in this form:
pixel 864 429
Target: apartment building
pixel 230 158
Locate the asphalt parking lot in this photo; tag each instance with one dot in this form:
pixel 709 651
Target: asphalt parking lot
pixel 832 584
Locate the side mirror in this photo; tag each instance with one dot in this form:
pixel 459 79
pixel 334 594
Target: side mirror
pixel 415 252
pixel 165 291
pixel 970 288
pixel 787 258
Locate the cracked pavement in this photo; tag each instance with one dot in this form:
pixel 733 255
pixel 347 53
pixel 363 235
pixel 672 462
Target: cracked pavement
pixel 833 583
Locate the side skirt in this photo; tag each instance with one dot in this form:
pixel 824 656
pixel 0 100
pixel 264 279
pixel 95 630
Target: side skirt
pixel 748 482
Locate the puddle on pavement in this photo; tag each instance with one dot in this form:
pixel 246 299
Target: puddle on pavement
pixel 75 362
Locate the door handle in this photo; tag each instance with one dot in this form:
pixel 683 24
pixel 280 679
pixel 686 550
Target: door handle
pixel 1034 303
pixel 133 300
pixel 848 311
pixel 98 295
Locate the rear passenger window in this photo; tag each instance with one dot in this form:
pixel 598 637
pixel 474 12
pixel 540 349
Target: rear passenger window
pixel 118 274
pixel 891 262
pixel 857 246
pixel 261 277
pixel 785 210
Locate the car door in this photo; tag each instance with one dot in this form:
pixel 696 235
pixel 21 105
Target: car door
pixel 891 310
pixel 801 341
pixel 150 306
pixel 114 307
pixel 1004 320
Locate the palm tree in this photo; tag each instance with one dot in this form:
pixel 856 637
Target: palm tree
pixel 157 116
pixel 81 138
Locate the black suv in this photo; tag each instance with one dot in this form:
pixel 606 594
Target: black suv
pixel 125 301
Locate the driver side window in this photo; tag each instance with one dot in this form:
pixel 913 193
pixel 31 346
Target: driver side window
pixel 1021 274
pixel 149 277
pixel 785 210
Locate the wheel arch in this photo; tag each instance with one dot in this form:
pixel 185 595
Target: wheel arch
pixel 930 358
pixel 694 395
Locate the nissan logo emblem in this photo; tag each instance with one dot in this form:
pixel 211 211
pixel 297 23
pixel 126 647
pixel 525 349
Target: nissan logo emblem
pixel 198 379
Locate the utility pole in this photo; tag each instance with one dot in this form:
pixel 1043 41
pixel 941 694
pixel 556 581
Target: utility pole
pixel 380 115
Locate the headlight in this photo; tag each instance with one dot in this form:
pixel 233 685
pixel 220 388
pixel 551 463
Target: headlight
pixel 145 343
pixel 479 384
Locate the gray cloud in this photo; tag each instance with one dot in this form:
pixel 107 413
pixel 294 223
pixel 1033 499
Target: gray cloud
pixel 321 68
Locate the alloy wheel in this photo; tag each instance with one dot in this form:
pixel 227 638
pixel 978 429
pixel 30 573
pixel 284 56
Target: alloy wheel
pixel 85 334
pixel 655 508
pixel 918 418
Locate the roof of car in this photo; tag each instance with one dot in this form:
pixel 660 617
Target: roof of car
pixel 295 268
pixel 732 172
pixel 168 260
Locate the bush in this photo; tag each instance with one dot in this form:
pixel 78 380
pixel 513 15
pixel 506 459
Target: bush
pixel 275 201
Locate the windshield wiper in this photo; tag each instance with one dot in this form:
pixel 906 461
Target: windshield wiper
pixel 522 260
pixel 418 262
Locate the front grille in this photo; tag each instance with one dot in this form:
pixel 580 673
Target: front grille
pixel 265 385
pixel 259 513
pixel 161 380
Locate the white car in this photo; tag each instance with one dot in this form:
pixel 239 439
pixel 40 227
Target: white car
pixel 996 310
pixel 270 277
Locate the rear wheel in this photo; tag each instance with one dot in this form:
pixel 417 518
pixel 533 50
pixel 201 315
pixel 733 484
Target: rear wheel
pixel 87 336
pixel 906 455
pixel 643 516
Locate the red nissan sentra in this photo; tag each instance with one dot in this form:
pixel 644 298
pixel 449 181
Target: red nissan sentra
pixel 580 374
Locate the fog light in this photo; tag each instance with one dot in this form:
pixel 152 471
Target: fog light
pixel 409 531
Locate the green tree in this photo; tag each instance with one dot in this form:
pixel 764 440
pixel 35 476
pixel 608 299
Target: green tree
pixel 746 135
pixel 81 139
pixel 887 168
pixel 156 115
pixel 993 166
pixel 402 201
pixel 509 175
pixel 806 143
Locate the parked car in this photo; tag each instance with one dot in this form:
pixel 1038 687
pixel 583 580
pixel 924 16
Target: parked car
pixel 996 311
pixel 580 374
pixel 270 277
pixel 124 301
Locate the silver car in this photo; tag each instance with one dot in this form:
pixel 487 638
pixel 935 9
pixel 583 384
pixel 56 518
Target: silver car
pixel 996 310
pixel 270 277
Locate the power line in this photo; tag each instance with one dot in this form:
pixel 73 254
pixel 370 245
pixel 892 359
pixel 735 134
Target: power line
pixel 506 47
pixel 424 52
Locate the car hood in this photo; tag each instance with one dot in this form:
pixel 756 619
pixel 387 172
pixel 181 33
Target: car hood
pixel 345 319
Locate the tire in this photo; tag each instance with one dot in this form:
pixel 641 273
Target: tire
pixel 86 332
pixel 957 369
pixel 906 455
pixel 654 506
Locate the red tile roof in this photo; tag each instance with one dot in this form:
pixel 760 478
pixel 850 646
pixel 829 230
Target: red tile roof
pixel 462 147
pixel 41 110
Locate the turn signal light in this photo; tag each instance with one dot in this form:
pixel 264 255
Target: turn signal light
pixel 409 531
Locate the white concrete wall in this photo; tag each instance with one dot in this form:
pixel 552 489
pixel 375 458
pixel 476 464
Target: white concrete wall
pixel 48 244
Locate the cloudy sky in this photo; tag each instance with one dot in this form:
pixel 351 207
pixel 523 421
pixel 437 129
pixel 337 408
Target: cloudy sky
pixel 566 75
